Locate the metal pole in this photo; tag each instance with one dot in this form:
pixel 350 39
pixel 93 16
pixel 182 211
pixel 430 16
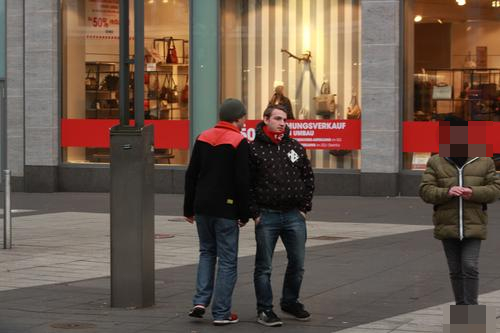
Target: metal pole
pixel 139 63
pixel 124 63
pixel 7 221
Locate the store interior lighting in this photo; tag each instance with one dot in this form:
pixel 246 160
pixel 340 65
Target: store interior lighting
pixel 440 21
pixel 461 2
pixel 495 4
pixel 418 18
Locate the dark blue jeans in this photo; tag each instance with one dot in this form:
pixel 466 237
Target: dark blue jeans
pixel 218 244
pixel 290 226
pixel 463 262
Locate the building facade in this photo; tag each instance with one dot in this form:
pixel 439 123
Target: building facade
pixel 367 82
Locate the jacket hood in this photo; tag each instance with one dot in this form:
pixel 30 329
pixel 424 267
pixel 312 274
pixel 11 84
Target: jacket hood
pixel 261 136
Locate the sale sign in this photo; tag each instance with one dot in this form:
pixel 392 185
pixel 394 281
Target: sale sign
pixel 319 134
pixel 103 19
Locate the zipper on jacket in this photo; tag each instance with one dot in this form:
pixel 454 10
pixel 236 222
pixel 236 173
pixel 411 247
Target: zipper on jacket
pixel 460 199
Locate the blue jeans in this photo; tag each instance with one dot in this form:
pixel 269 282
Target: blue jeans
pixel 290 226
pixel 218 243
pixel 463 262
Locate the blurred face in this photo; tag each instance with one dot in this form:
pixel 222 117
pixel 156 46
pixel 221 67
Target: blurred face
pixel 277 121
pixel 453 142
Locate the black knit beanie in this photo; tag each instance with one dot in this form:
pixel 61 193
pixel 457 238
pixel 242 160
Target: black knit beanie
pixel 231 110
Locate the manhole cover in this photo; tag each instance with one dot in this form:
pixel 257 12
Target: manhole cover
pixel 72 326
pixel 163 236
pixel 328 238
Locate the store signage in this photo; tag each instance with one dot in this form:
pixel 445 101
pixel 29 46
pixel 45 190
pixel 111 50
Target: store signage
pixel 95 133
pixel 103 19
pixel 423 136
pixel 312 134
pixel 319 134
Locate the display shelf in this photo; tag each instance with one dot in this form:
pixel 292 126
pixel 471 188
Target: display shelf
pixel 474 94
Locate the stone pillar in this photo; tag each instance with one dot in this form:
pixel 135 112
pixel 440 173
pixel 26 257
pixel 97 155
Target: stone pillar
pixel 380 155
pixel 41 77
pixel 15 92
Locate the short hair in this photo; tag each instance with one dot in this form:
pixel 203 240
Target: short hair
pixel 232 110
pixel 270 107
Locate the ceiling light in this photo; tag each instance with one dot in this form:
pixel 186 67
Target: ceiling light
pixel 165 1
pixel 461 2
pixel 440 21
pixel 418 18
pixel 151 1
pixel 495 4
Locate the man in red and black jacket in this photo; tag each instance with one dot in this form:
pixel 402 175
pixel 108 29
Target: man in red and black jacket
pixel 281 194
pixel 216 197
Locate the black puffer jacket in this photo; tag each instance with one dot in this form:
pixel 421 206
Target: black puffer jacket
pixel 282 177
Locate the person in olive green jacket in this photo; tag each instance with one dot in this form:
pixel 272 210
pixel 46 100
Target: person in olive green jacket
pixel 459 188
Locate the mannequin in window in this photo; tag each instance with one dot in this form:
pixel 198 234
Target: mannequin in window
pixel 279 98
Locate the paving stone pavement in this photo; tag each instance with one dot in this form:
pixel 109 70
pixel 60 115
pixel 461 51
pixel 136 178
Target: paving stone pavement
pixel 74 246
pixel 386 275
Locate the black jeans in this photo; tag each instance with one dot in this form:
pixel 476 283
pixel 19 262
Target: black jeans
pixel 463 262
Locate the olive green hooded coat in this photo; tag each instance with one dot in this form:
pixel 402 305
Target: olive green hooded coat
pixel 455 217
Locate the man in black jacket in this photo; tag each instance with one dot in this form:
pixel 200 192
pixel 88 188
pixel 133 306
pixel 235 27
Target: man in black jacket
pixel 281 192
pixel 216 196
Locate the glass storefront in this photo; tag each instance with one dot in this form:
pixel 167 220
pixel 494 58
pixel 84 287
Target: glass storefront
pixel 302 54
pixel 452 68
pixel 90 54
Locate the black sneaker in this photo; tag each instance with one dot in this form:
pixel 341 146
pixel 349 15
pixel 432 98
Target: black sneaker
pixel 296 310
pixel 269 318
pixel 197 311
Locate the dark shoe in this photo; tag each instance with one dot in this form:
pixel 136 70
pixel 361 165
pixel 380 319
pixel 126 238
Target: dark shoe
pixel 296 310
pixel 233 319
pixel 197 311
pixel 269 318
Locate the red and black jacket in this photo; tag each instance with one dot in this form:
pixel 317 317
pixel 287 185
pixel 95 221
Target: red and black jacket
pixel 218 176
pixel 282 176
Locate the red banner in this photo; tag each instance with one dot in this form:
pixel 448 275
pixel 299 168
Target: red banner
pixel 95 133
pixel 312 134
pixel 423 136
pixel 319 134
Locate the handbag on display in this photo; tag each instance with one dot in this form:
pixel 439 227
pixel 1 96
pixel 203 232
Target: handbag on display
pixel 172 52
pixel 168 91
pixel 153 89
pixel 172 93
pixel 354 110
pixel 325 102
pixel 185 92
pixel 90 82
pixel 441 91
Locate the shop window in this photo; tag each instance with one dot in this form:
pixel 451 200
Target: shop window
pixel 452 71
pixel 310 52
pixel 90 59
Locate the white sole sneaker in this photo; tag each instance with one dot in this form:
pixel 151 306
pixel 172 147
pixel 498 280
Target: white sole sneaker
pixel 225 322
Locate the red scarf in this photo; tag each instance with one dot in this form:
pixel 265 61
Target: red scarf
pixel 274 136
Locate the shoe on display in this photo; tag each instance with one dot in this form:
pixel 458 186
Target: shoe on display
pixel 233 319
pixel 296 310
pixel 269 318
pixel 197 311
